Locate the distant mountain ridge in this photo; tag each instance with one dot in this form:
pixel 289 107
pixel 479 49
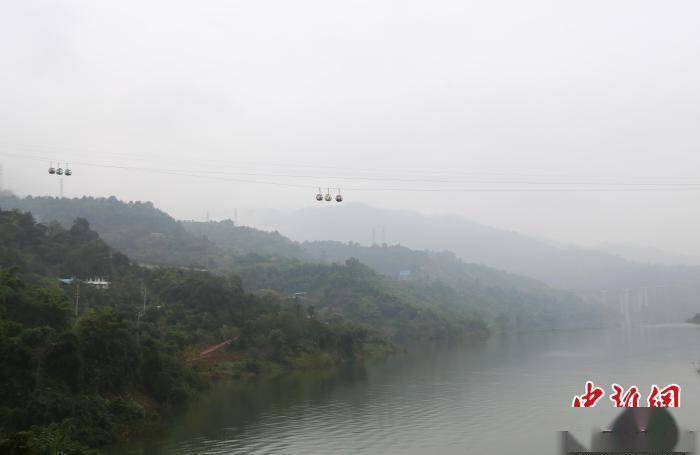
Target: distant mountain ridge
pixel 647 254
pixel 561 266
pixel 270 260
pixel 150 235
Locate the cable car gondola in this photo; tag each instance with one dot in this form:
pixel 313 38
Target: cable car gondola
pixel 328 196
pixel 59 171
pixel 68 172
pixel 319 196
pixel 339 197
pixel 52 170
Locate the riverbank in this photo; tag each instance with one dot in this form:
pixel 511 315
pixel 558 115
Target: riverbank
pixel 239 365
pixel 239 368
pixel 509 393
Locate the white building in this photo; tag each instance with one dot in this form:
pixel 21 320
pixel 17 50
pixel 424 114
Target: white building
pixel 99 283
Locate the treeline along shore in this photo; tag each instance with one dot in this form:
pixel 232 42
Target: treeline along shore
pixel 94 347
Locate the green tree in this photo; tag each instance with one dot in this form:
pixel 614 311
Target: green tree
pixel 109 350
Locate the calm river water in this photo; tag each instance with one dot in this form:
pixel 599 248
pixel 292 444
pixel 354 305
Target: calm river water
pixel 510 395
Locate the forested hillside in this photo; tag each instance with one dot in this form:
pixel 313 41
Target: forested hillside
pixel 561 266
pixel 358 293
pixel 507 301
pixel 82 367
pixel 241 240
pixel 77 374
pixel 137 229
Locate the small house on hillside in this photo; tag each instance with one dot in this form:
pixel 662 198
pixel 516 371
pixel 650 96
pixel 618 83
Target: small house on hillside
pixel 404 275
pixel 99 283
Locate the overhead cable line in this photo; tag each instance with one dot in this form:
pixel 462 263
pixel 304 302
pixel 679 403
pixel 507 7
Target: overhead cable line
pixel 573 186
pixel 394 175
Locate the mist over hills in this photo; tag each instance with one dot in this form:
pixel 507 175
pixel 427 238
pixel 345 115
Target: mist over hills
pixel 152 236
pixel 647 254
pixel 558 265
pixel 470 258
pixel 439 281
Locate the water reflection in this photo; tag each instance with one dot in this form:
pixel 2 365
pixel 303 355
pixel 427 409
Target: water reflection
pixel 228 408
pixel 512 393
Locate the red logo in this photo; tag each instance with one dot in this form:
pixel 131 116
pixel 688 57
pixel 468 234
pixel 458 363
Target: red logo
pixel 622 399
pixel 590 398
pixel 668 397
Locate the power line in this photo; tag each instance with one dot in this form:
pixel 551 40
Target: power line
pixel 206 173
pixel 161 171
pixel 393 177
pixel 287 164
pixel 573 186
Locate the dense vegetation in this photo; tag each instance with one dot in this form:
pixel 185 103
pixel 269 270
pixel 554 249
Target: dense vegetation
pixel 76 377
pixel 242 240
pixel 509 302
pixel 438 281
pixel 74 380
pixel 137 229
pixel 438 285
pixel 358 293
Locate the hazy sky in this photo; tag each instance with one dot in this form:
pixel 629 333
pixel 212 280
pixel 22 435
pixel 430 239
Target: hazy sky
pixel 464 95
